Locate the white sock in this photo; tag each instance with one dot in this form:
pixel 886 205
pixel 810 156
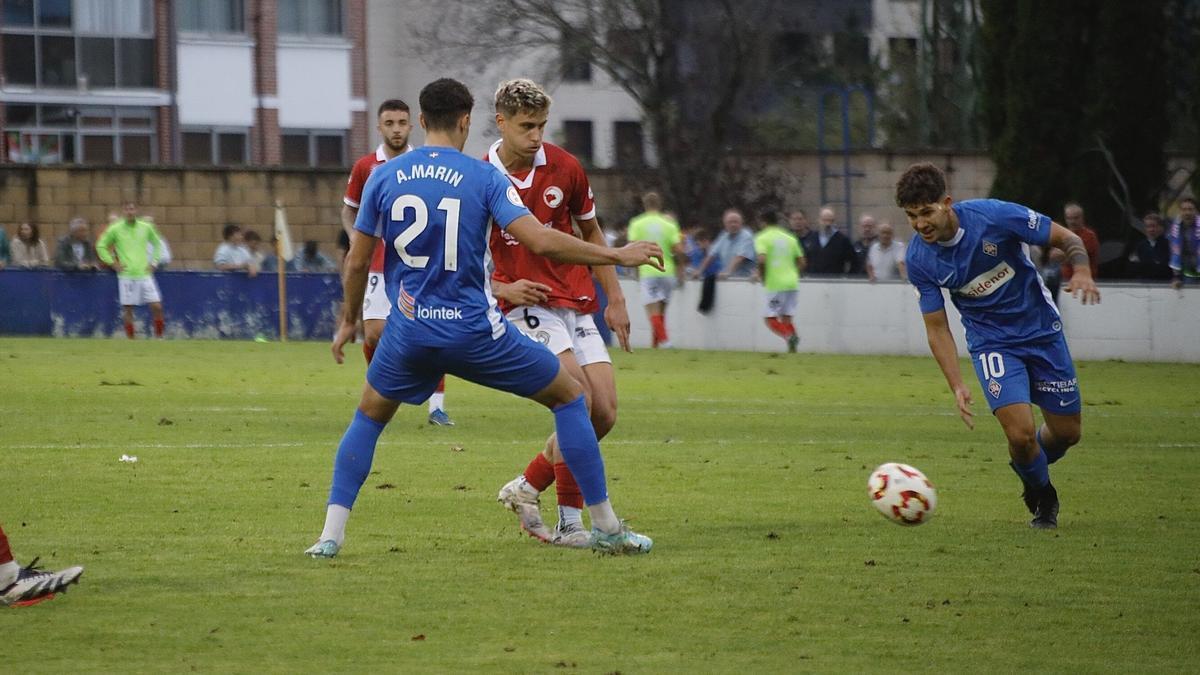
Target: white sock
pixel 437 401
pixel 8 573
pixel 569 515
pixel 604 518
pixel 335 523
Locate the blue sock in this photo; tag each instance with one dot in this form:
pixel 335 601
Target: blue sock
pixel 1052 455
pixel 353 460
pixel 1036 474
pixel 581 450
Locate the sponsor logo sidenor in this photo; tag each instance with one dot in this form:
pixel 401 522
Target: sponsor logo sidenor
pixel 985 284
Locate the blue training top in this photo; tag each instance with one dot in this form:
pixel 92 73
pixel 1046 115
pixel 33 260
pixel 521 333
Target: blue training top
pixel 987 269
pixel 433 207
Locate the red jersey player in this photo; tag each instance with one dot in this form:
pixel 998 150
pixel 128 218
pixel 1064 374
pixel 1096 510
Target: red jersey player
pixel 553 302
pixel 394 126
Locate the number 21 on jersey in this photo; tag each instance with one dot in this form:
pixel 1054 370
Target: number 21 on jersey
pixel 420 220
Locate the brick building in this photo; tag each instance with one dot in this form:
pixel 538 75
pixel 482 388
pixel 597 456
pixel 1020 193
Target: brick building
pixel 183 82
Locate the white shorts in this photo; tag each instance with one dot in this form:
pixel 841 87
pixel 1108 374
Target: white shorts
pixel 656 289
pixel 781 303
pixel 137 291
pixel 561 329
pixel 375 300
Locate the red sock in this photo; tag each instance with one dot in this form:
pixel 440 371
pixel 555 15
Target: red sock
pixel 368 351
pixel 789 327
pixel 129 329
pixel 658 329
pixel 567 488
pixel 159 324
pixel 540 472
pixel 5 551
pixel 777 327
pixel 441 388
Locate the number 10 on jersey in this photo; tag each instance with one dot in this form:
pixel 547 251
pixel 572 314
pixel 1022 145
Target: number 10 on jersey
pixel 420 220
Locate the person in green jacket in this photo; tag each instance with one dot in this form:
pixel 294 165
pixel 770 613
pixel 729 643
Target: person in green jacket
pixel 130 239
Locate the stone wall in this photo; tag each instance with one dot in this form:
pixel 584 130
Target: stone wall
pixel 190 206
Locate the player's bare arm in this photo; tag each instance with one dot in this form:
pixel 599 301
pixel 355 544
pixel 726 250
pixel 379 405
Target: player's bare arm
pixel 1081 286
pixel 563 247
pixel 522 292
pixel 615 315
pixel 941 343
pixel 354 286
pixel 349 213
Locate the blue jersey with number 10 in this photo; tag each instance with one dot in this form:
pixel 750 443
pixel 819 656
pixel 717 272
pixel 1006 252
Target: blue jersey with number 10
pixel 433 208
pixel 986 267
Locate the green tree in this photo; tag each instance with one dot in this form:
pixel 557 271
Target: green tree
pixel 1074 105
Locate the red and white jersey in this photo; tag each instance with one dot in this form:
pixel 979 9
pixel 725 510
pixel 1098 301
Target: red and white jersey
pixel 555 190
pixel 354 187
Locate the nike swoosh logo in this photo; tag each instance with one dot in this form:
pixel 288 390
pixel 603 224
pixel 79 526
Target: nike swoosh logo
pixel 1063 404
pixel 947 279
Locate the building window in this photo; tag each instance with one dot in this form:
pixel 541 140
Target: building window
pixel 53 134
pixel 310 17
pixel 212 16
pixel 68 44
pixel 216 147
pixel 579 139
pixel 576 66
pixel 320 147
pixel 630 145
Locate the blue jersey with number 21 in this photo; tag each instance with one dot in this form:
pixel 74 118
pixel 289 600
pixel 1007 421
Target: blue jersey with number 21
pixel 433 208
pixel 987 269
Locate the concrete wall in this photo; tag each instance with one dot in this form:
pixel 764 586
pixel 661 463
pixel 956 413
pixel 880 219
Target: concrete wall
pixel 1136 323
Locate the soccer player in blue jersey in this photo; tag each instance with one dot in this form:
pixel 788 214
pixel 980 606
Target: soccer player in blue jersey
pixel 979 250
pixel 434 208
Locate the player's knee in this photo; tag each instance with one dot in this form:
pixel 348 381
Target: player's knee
pixel 1021 438
pixel 604 417
pixel 1072 436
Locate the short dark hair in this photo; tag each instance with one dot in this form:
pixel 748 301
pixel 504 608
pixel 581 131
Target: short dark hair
pixel 443 102
pixel 251 235
pixel 1153 215
pixel 921 183
pixel 1188 199
pixel 769 217
pixel 392 104
pixel 228 230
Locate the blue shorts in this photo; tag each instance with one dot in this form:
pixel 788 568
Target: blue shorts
pixel 1041 373
pixel 511 363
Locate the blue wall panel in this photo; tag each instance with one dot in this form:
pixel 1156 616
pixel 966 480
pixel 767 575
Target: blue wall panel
pixel 196 304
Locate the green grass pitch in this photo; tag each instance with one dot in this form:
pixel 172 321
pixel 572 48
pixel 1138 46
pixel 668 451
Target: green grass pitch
pixel 749 471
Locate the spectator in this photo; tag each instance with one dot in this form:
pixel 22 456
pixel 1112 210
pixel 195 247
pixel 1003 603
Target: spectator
pixel 1184 239
pixel 734 249
pixel 5 250
pixel 1048 261
pixel 254 245
pixel 232 254
pixel 866 236
pixel 885 257
pixel 830 252
pixel 1073 214
pixel 798 220
pixel 28 249
pixel 1150 259
pixel 270 261
pixel 312 260
pixel 76 251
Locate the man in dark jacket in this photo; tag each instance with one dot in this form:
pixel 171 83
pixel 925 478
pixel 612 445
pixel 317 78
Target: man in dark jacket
pixel 830 253
pixel 75 251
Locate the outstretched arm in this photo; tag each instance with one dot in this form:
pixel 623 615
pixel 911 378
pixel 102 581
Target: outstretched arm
pixel 563 247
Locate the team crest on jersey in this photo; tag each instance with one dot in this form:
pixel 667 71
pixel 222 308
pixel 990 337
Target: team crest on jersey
pixel 990 248
pixel 542 337
pixel 553 196
pixel 513 197
pixel 994 388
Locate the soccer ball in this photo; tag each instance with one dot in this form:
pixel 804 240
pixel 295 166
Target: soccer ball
pixel 902 494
